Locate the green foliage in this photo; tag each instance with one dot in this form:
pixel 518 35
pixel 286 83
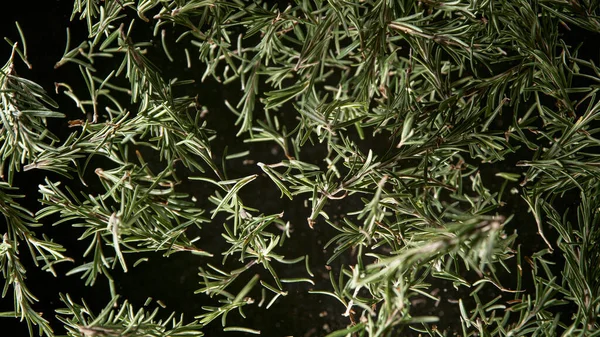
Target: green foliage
pixel 412 104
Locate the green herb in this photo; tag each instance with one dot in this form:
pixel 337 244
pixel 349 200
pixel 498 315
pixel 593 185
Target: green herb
pixel 445 131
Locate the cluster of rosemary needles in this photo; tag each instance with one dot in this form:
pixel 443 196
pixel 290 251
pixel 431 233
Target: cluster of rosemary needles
pixel 445 152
